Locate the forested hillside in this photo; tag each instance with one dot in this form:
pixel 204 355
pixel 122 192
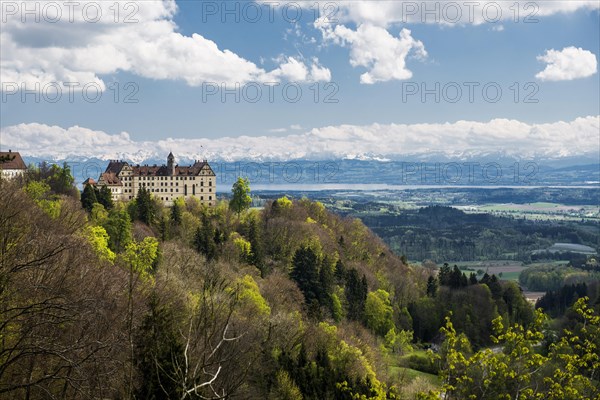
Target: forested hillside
pixel 136 300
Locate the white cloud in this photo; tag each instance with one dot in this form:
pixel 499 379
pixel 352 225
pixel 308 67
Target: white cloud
pixel 557 139
pixel 77 50
pixel 386 13
pixel 376 49
pixel 293 69
pixel 567 64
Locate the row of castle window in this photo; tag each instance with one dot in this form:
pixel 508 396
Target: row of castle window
pixel 167 199
pixel 163 183
pixel 158 190
pixel 176 189
pixel 201 198
pixel 161 178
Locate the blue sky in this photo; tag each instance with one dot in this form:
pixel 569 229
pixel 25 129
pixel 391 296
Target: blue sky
pixel 369 61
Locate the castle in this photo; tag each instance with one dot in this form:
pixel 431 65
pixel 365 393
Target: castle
pixel 165 182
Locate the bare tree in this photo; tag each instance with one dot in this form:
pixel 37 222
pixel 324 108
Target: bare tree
pixel 60 309
pixel 218 340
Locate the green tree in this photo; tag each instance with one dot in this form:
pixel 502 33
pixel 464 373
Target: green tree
pixel 356 294
pixel 146 211
pixel 379 312
pixel 204 241
pixel 99 215
pixel 305 272
pixel 473 279
pixel 118 227
pixel 164 228
pixel 432 286
pixel 244 248
pixel 240 196
pixel 104 197
pixel 61 180
pixel 285 388
pixel 158 352
pixel 569 370
pixel 398 342
pixel 98 238
pixel 37 191
pixel 444 274
pixel 139 257
pixel 256 242
pixel 88 198
pixel 177 211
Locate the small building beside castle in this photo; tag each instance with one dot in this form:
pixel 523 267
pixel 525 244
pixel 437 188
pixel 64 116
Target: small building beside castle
pixel 165 182
pixel 11 164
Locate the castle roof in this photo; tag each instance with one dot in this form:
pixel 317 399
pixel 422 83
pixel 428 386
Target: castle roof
pixel 110 178
pixel 162 170
pixel 14 160
pixel 113 170
pixel 115 166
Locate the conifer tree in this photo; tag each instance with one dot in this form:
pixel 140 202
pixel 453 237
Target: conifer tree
pixel 432 286
pixel 88 198
pixel 104 197
pixel 305 272
pixel 145 207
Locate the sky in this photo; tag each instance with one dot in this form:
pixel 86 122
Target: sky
pixel 288 80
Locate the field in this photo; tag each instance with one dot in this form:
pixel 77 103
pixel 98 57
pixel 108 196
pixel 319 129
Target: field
pixel 399 368
pixel 403 374
pixel 504 269
pixel 540 210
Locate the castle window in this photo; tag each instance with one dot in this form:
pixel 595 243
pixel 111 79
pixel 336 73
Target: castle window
pixel 209 183
pixel 201 197
pixel 210 190
pixel 210 197
pixel 201 183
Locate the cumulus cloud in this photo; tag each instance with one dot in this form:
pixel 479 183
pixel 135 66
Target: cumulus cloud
pixel 145 41
pixel 294 69
pixel 567 64
pixel 391 141
pixel 376 49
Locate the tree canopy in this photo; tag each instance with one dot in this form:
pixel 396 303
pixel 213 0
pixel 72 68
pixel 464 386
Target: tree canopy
pixel 240 196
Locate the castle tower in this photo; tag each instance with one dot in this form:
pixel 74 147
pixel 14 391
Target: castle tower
pixel 171 164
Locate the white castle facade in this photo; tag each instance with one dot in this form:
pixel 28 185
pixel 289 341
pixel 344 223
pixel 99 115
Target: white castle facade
pixel 165 182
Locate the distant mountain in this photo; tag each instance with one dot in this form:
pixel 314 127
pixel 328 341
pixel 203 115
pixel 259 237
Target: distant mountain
pixel 485 170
